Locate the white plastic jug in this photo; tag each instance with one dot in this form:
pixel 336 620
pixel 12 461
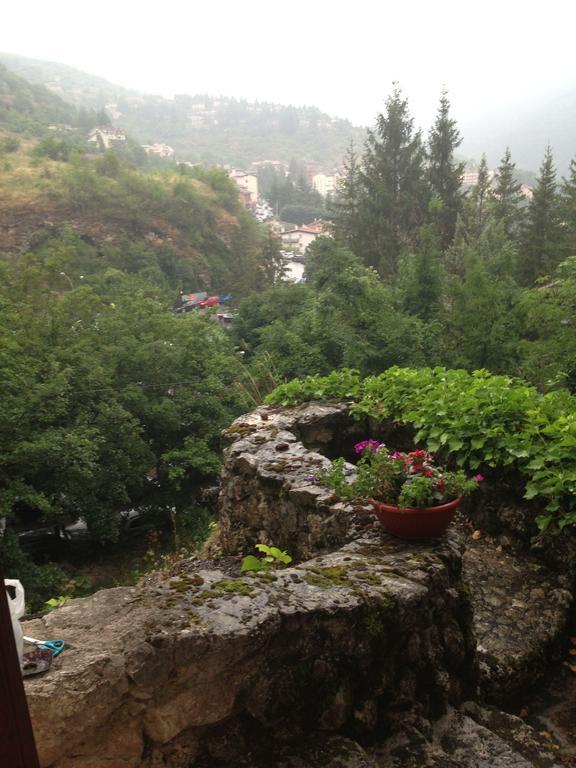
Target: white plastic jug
pixel 17 607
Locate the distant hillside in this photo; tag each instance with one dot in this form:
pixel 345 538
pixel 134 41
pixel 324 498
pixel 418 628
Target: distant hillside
pixel 72 85
pixel 203 128
pixel 190 223
pixel 27 108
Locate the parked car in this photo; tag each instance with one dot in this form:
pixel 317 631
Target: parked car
pixel 211 301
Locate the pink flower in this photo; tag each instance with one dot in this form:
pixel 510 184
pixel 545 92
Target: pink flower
pixel 479 478
pixel 372 444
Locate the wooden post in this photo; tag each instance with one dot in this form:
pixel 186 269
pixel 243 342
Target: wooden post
pixel 17 747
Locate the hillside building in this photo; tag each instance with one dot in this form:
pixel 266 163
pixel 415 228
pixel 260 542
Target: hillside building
pixel 159 150
pixel 299 238
pixel 325 184
pixel 104 138
pixel 248 184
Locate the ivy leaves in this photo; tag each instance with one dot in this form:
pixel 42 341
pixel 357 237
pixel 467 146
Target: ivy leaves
pixel 478 419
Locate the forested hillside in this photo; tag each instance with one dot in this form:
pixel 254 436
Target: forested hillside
pixel 189 221
pixel 111 401
pixel 203 128
pixel 27 108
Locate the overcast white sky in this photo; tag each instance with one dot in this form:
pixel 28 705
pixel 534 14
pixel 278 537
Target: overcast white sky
pixel 340 55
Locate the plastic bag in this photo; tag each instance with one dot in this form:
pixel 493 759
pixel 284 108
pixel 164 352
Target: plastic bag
pixel 17 607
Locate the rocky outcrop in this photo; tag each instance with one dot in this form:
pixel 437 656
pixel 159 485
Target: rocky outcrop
pixel 270 493
pixel 199 663
pixel 520 610
pixel 362 654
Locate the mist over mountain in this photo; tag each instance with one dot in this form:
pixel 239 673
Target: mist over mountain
pixel 213 128
pixel 202 128
pixel 26 107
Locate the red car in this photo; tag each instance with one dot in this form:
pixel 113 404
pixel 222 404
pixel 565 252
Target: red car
pixel 211 301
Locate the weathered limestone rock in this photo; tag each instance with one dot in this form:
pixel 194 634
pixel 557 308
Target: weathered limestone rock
pixel 520 614
pixel 321 646
pixel 365 638
pixel 269 492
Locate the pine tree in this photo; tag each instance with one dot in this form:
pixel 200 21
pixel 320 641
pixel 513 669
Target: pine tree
pixel 393 194
pixel 272 265
pixel 508 199
pixel 344 208
pixel 444 173
pixel 479 200
pixel 542 239
pixel 568 209
pixel 421 276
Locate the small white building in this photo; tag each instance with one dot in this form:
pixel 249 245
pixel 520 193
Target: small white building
pixel 104 138
pixel 160 150
pixel 299 238
pixel 325 184
pixel 247 182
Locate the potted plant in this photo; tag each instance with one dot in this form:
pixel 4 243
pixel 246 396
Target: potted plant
pixel 411 495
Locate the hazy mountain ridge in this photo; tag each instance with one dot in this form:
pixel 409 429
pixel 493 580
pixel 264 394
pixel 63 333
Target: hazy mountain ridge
pixel 70 84
pixel 222 129
pixel 29 108
pixel 202 127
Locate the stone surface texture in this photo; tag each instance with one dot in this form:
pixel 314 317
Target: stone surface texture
pixel 520 614
pixel 359 655
pixel 197 664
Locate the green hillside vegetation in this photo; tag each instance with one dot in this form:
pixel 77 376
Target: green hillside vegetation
pixel 203 128
pixel 188 221
pixel 29 109
pixel 225 130
pixel 72 85
pixel 112 401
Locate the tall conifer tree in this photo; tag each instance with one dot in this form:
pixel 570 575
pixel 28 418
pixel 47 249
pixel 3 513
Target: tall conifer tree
pixel 393 190
pixel 568 209
pixel 508 199
pixel 444 173
pixel 541 250
pixel 345 208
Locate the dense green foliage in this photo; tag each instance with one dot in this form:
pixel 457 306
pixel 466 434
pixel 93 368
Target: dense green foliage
pixel 104 387
pixel 477 420
pixel 290 194
pixel 113 401
pixel 464 270
pixel 29 109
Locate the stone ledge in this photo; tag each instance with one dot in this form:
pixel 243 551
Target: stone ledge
pixel 375 626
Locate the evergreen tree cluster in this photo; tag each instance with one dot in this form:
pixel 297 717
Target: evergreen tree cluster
pixel 423 271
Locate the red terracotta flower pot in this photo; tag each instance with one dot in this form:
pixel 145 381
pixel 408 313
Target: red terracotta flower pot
pixel 415 522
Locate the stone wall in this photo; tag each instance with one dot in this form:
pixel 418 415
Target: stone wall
pixel 203 666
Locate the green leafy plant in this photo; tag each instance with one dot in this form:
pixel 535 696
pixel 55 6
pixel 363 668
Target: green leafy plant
pixel 57 602
pixel 402 479
pixel 273 558
pixel 474 419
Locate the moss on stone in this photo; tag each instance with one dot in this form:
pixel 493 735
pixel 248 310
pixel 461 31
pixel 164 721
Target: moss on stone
pixel 368 578
pixel 203 597
pixel 265 576
pixel 241 429
pixel 327 576
pixel 186 582
pixel 379 617
pixel 318 581
pixel 233 585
